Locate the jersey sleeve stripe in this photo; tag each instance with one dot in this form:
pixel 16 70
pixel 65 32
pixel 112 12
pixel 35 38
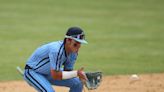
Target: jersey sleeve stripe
pixel 42 65
pixel 42 60
pixel 57 59
pixel 60 58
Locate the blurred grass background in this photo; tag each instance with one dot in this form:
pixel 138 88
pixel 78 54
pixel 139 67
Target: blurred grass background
pixel 125 36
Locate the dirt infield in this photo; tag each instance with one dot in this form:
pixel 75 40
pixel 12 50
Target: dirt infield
pixel 146 83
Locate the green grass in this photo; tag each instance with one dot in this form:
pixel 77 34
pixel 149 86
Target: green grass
pixel 125 36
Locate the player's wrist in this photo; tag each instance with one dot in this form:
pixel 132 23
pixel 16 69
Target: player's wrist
pixel 81 75
pixel 69 74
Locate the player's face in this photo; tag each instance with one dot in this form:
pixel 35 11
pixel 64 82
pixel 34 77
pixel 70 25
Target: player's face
pixel 74 46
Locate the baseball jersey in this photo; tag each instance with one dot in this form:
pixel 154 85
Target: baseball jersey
pixel 51 56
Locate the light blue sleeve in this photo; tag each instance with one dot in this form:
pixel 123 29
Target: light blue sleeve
pixel 69 64
pixel 52 56
pixel 54 51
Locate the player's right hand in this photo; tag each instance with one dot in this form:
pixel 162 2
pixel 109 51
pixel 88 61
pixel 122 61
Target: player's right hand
pixel 81 74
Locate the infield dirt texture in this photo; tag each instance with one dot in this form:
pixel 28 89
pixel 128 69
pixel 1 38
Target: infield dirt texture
pixel 125 37
pixel 146 83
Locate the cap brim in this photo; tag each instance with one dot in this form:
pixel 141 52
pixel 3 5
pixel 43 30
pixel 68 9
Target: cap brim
pixel 82 41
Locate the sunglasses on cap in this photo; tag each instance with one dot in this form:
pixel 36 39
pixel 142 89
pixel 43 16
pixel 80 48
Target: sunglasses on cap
pixel 80 36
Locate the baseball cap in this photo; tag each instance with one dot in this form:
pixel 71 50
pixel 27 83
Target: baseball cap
pixel 76 34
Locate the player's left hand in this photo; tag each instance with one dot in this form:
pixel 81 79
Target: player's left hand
pixel 81 74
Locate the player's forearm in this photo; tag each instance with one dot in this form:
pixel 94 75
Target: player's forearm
pixel 59 75
pixel 69 74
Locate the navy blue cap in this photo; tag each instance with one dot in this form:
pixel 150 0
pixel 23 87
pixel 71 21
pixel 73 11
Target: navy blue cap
pixel 77 34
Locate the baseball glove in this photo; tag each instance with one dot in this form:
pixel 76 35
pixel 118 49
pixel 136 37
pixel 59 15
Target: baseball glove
pixel 93 80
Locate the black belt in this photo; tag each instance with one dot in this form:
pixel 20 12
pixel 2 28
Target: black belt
pixel 27 67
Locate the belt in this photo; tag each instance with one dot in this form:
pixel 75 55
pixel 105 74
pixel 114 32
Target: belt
pixel 27 67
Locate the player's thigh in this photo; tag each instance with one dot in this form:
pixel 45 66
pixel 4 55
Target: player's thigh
pixel 68 82
pixel 38 81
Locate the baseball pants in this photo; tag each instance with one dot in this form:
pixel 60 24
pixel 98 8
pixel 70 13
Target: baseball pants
pixel 44 83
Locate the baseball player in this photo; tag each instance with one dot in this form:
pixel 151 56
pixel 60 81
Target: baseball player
pixel 53 64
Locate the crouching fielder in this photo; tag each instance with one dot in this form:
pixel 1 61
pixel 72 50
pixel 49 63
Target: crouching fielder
pixel 52 64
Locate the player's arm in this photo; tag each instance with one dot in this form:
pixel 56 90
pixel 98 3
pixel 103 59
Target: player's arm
pixel 60 75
